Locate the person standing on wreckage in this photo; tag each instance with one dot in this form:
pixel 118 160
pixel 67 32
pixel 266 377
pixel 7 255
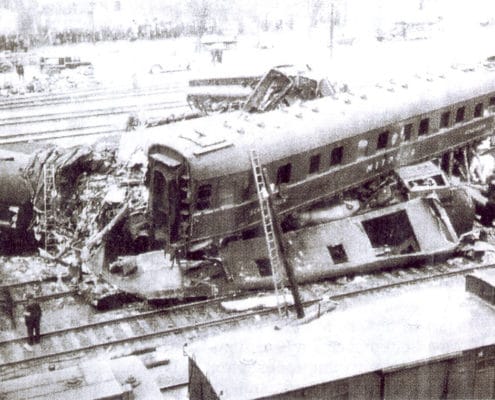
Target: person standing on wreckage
pixel 32 318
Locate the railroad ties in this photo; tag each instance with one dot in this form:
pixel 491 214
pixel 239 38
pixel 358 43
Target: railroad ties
pixel 83 115
pixel 178 324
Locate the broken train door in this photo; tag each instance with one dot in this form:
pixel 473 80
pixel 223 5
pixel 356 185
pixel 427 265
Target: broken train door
pixel 166 206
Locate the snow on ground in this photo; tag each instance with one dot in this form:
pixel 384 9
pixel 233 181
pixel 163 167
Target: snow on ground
pixel 128 64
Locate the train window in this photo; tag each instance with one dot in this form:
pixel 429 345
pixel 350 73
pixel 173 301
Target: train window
pixel 337 253
pixel 264 267
pixel 445 119
pixel 459 115
pixel 204 197
pixel 478 110
pixel 492 101
pixel 382 141
pixel 337 155
pixel 424 126
pixel 314 164
pixel 408 132
pixel 283 174
pixel 362 148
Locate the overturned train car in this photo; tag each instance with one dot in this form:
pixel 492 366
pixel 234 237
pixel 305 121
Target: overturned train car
pixel 379 239
pixel 202 190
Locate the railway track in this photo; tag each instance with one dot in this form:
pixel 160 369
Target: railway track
pixel 178 321
pixel 49 288
pixel 90 112
pixel 84 96
pixel 29 142
pixel 124 330
pixel 74 118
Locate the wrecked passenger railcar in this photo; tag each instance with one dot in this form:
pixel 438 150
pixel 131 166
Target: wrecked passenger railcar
pixel 408 233
pixel 201 184
pixel 280 86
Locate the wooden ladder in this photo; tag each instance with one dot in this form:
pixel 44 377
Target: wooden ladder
pixel 270 235
pixel 49 193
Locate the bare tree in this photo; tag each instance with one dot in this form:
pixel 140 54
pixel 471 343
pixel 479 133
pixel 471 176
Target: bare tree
pixel 26 16
pixel 201 12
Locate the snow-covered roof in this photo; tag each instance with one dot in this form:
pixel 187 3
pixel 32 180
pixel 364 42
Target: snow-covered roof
pixel 403 327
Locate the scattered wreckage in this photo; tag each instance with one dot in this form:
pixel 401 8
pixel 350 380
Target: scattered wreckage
pixel 103 229
pixel 341 240
pixel 356 210
pixel 376 240
pixel 281 85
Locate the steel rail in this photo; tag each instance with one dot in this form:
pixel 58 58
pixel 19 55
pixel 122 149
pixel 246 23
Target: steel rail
pixel 95 112
pixel 78 97
pixel 162 332
pixel 410 281
pixel 125 318
pixel 213 322
pixel 42 298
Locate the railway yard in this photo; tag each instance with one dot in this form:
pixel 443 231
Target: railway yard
pixel 92 218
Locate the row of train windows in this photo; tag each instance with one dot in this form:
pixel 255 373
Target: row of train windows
pixel 284 172
pixel 382 143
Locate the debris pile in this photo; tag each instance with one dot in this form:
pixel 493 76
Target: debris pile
pixel 50 83
pixel 282 85
pixel 92 194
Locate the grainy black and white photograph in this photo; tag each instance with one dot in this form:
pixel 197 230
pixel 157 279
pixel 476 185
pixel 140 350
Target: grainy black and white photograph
pixel 240 200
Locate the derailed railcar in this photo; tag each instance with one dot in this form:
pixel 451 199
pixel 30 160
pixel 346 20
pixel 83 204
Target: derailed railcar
pixel 201 184
pixel 15 192
pixel 384 238
pixel 407 233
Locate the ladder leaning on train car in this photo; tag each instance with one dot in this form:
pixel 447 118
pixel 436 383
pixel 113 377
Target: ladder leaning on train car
pixel 49 207
pixel 275 248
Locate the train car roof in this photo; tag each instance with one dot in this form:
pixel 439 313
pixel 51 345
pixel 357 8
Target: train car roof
pixel 405 327
pixel 220 144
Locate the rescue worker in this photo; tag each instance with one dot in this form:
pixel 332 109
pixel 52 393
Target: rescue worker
pixel 32 318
